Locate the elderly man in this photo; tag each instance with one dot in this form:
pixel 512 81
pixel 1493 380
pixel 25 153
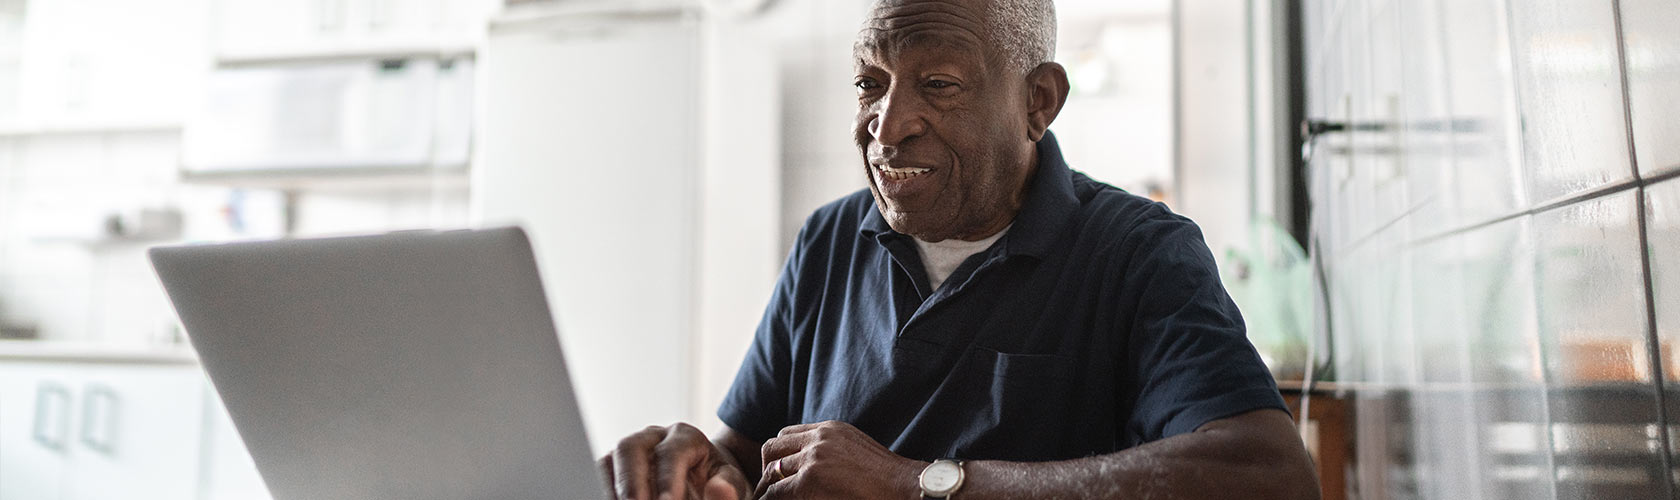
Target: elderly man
pixel 983 322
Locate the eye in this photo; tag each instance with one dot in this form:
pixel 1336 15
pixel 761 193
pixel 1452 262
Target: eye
pixel 940 84
pixel 865 84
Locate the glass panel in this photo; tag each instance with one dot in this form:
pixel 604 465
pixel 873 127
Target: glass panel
pixel 1662 225
pixel 1379 154
pixel 1564 57
pixel 1498 269
pixel 1653 65
pixel 1591 306
pixel 1480 362
pixel 1426 164
pixel 1485 144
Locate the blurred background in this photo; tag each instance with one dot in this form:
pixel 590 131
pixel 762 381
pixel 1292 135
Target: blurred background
pixel 1450 224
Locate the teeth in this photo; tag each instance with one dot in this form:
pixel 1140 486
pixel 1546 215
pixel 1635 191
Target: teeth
pixel 900 173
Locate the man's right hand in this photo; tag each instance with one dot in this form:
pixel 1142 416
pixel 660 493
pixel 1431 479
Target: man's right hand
pixel 672 463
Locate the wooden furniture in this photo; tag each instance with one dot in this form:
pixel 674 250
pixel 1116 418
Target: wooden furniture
pixel 1328 433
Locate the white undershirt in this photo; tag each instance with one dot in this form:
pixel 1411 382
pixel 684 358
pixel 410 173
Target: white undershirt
pixel 941 258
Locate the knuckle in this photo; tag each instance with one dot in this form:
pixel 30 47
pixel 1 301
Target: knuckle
pixel 632 441
pixel 669 447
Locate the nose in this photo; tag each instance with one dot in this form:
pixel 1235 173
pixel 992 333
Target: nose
pixel 899 117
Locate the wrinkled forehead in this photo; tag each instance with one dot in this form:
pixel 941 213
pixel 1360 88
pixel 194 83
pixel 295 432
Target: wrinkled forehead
pixel 954 28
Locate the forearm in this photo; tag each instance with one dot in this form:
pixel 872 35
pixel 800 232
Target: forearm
pixel 1218 462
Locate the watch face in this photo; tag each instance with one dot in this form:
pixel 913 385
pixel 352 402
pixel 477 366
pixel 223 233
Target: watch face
pixel 941 476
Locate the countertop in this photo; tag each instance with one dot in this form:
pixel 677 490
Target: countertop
pixel 93 352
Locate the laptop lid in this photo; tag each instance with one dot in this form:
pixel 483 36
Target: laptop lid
pixel 400 366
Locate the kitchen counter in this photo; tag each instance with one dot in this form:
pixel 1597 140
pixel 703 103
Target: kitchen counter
pixel 93 352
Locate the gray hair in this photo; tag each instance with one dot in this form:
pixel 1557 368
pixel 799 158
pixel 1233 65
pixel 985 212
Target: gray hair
pixel 1025 32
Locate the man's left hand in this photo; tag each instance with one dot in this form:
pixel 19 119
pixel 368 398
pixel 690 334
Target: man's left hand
pixel 834 460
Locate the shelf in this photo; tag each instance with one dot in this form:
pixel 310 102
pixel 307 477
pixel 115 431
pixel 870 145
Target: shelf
pixel 90 352
pixel 383 178
pixel 325 52
pixel 22 129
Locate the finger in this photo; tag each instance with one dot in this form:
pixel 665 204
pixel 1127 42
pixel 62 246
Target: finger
pixel 798 428
pixel 605 464
pixel 719 488
pixel 784 445
pixel 764 483
pixel 683 450
pixel 787 488
pixel 770 475
pixel 631 462
pixel 780 470
pixel 732 477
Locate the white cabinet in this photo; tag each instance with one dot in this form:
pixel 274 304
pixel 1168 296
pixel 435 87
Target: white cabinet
pixel 108 61
pixel 34 433
pixel 391 113
pixel 246 29
pixel 92 431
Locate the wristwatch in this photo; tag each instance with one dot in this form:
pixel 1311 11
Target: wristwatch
pixel 941 479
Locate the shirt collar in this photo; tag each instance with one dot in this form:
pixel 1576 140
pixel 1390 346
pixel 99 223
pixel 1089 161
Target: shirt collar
pixel 1049 208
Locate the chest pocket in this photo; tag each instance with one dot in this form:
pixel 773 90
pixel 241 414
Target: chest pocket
pixel 1030 400
pixel 999 406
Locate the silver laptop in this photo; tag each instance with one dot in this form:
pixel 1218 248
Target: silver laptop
pixel 412 365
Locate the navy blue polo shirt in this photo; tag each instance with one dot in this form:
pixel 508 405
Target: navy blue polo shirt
pixel 1095 324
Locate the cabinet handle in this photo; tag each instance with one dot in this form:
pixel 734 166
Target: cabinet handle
pixel 99 418
pixel 45 394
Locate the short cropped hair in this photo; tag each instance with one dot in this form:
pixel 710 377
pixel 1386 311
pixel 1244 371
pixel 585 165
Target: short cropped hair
pixel 1024 31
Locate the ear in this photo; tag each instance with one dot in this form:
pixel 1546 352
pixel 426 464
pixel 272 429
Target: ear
pixel 1047 91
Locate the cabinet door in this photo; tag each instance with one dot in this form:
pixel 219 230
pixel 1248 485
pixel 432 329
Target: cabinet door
pixel 137 432
pixel 257 25
pixel 110 60
pixel 35 431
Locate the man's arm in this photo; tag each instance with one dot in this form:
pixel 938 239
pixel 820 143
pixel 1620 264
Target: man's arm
pixel 1254 455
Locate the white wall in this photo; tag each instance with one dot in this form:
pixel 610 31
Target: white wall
pixel 597 159
pixel 1213 129
pixel 740 203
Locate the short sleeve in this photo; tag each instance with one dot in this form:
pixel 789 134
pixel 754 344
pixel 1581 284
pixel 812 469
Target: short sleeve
pixel 757 402
pixel 1187 352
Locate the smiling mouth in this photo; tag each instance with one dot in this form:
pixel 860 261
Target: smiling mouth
pixel 899 174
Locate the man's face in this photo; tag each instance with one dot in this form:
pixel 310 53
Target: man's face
pixel 941 123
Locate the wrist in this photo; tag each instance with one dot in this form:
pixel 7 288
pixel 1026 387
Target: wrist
pixel 910 482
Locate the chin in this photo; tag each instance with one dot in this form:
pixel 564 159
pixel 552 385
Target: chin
pixel 919 225
pixel 924 224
